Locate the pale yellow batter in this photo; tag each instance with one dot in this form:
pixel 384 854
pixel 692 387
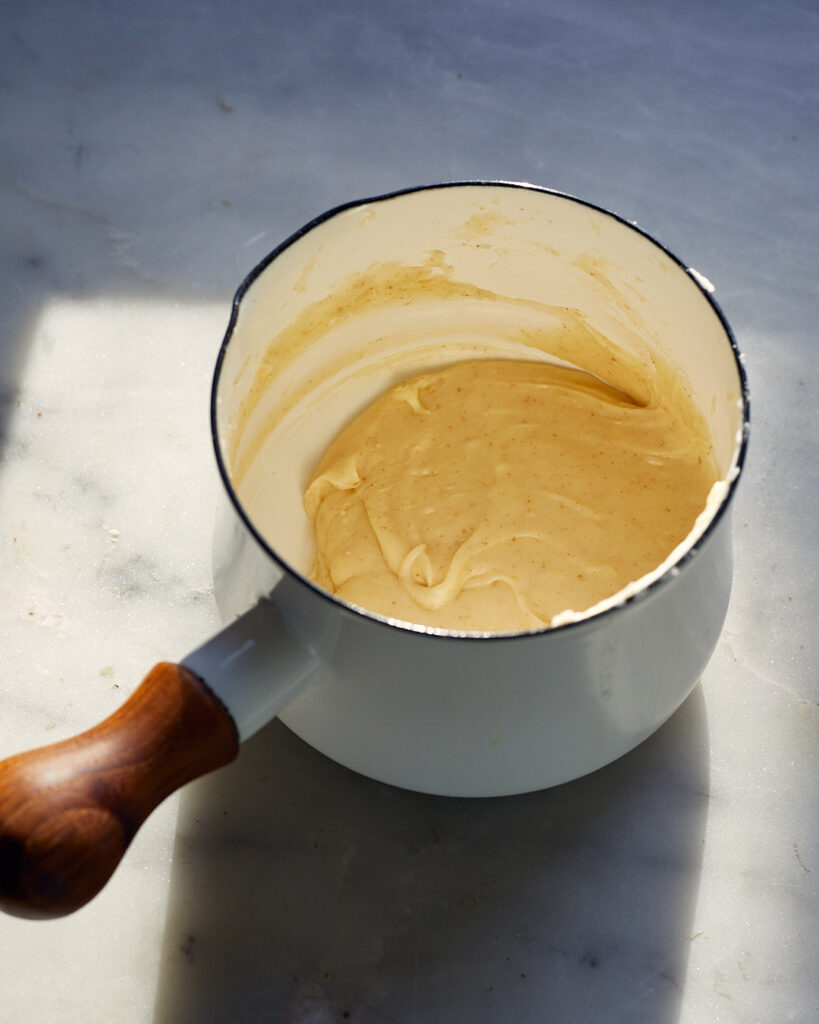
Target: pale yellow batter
pixel 495 494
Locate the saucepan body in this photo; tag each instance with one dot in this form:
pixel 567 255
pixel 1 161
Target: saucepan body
pixel 381 289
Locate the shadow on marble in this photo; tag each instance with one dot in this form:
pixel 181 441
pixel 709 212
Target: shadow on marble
pixel 302 892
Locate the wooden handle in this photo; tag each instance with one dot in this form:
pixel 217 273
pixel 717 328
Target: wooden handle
pixel 68 811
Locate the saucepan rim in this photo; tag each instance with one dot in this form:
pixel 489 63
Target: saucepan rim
pixel 651 589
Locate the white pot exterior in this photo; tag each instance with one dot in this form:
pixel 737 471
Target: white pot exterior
pixel 469 715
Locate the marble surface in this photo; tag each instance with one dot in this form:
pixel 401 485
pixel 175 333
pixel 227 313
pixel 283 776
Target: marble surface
pixel 149 155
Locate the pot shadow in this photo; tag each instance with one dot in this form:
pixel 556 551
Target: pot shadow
pixel 302 892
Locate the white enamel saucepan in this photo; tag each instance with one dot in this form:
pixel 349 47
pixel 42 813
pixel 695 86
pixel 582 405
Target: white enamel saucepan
pixel 367 294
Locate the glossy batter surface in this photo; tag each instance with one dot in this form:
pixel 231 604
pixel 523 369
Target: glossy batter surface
pixel 494 494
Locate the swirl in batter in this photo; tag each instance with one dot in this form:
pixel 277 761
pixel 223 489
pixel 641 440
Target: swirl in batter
pixel 493 495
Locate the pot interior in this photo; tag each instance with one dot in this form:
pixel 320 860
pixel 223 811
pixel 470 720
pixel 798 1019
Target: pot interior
pixel 385 289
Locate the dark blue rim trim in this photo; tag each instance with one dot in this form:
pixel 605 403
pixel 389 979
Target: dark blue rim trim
pixel 652 587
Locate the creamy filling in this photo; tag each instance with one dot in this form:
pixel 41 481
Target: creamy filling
pixel 494 495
